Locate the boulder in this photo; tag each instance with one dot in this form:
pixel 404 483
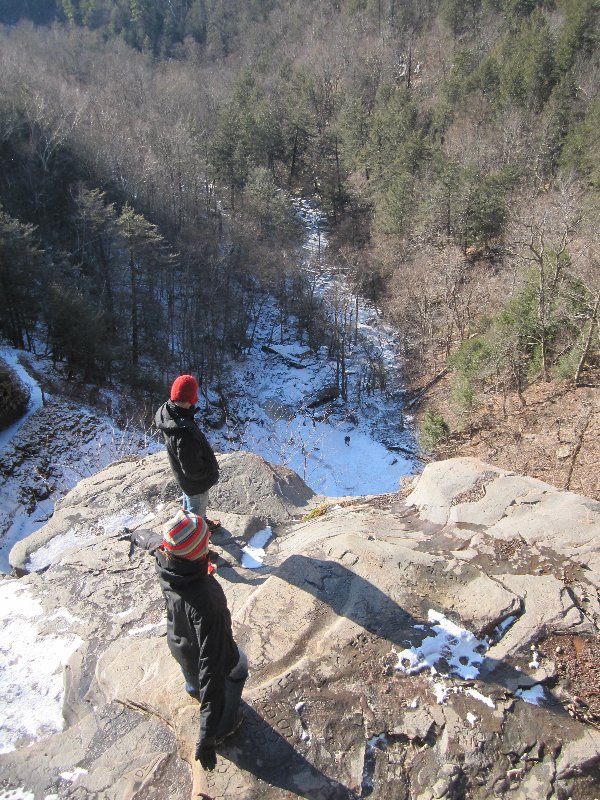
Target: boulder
pixel 390 644
pixel 135 492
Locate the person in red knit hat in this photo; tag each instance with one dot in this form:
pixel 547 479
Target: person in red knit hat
pixel 191 457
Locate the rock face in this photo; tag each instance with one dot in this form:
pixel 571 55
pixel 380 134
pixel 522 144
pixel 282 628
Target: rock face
pixel 14 396
pixel 442 644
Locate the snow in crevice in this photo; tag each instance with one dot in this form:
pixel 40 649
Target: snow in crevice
pixel 374 745
pixel 533 695
pixel 253 553
pixel 304 733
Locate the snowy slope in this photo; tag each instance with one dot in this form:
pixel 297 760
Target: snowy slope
pixel 354 448
pixel 47 452
pixel 270 413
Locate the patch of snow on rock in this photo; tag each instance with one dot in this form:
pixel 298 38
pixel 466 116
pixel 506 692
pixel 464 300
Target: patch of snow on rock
pixel 533 696
pixel 70 777
pixel 20 794
pixel 448 650
pixel 254 552
pixel 31 669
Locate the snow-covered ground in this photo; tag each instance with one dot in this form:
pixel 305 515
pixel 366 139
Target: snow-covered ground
pixel 361 446
pixel 335 450
pixel 31 667
pixel 11 357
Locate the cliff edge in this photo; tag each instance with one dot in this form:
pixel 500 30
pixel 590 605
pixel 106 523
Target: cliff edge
pixel 440 642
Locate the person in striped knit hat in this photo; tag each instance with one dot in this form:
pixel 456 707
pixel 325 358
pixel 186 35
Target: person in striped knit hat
pixel 187 536
pixel 199 632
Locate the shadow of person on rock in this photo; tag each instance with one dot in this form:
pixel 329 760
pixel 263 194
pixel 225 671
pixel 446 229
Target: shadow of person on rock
pixel 351 596
pixel 258 749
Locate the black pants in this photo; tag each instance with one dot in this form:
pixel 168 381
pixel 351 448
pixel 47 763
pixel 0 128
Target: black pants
pixel 234 686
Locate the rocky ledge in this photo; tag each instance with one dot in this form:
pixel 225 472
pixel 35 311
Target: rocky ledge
pixel 441 642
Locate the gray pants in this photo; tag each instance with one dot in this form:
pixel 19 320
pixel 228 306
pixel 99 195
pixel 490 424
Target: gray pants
pixel 196 503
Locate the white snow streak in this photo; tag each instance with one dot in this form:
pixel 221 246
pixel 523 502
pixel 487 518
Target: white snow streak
pixel 146 628
pixel 254 552
pixel 11 356
pixel 31 667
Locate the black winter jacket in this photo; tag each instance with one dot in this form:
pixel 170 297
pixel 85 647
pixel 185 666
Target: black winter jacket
pixel 191 457
pixel 198 628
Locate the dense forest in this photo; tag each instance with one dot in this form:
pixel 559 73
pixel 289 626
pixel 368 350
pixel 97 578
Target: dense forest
pixel 150 153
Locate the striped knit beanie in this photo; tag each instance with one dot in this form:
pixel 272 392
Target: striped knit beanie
pixel 186 536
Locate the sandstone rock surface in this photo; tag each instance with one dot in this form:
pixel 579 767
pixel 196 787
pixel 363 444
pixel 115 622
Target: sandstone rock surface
pixel 396 642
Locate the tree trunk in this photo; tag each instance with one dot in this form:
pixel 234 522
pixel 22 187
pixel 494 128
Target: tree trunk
pixel 294 155
pixel 542 318
pixel 588 342
pixel 134 314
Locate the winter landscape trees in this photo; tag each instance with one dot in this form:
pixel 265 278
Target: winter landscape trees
pixel 150 153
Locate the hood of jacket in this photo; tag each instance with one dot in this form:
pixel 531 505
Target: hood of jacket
pixel 179 573
pixel 170 417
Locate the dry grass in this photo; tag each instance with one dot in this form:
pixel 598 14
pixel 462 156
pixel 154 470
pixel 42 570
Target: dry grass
pixel 577 661
pixel 555 437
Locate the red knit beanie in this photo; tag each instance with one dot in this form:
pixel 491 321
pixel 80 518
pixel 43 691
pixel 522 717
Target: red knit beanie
pixel 184 390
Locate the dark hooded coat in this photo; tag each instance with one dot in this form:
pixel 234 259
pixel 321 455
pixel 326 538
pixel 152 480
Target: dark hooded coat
pixel 198 628
pixel 192 459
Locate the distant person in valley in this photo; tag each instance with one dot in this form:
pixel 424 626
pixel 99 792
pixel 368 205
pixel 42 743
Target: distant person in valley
pixel 191 457
pixel 199 628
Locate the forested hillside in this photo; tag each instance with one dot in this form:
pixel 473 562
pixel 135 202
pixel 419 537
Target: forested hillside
pixel 149 153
